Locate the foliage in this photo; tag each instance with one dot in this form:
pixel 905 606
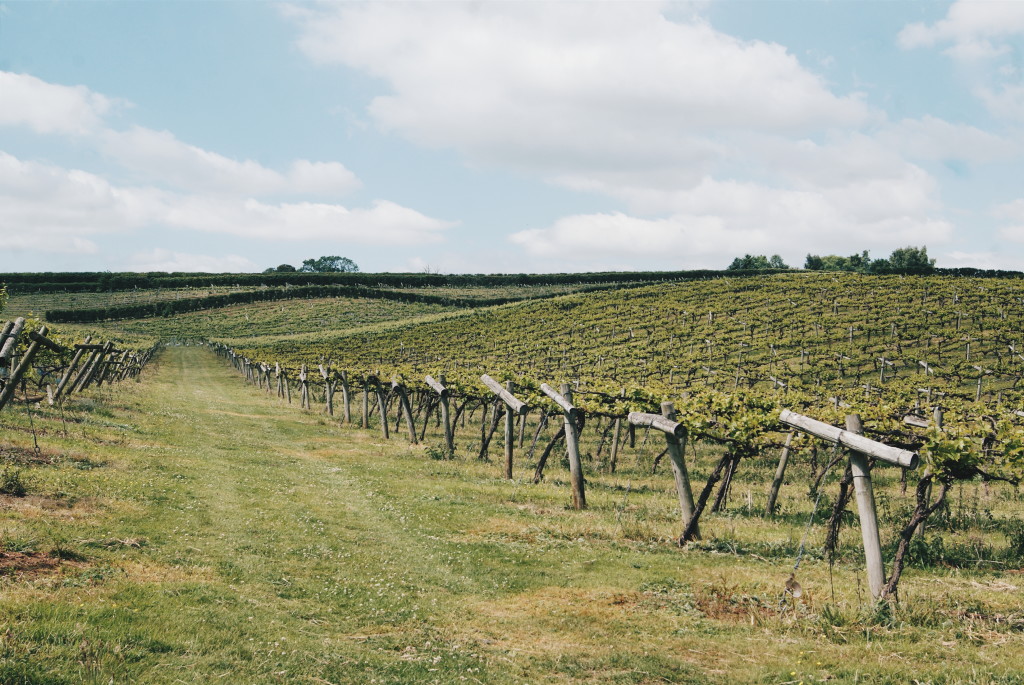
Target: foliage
pixel 855 262
pixel 11 482
pixel 331 264
pixel 3 298
pixel 757 262
pixel 280 269
pixel 909 259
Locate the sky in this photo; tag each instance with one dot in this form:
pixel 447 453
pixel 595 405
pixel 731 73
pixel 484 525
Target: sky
pixel 487 137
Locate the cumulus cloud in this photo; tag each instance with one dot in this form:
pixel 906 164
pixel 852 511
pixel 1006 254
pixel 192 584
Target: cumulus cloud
pixel 716 220
pixel 52 209
pixel 567 86
pixel 160 259
pixel 975 28
pixel 48 107
pixel 159 156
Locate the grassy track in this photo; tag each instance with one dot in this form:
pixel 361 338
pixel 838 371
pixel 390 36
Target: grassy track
pixel 196 530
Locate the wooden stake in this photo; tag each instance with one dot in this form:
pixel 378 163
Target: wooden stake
pixel 866 510
pixel 780 474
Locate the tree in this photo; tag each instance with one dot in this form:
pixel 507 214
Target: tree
pixel 760 261
pixel 281 269
pixel 913 259
pixel 332 264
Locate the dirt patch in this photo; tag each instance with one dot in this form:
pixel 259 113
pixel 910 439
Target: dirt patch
pixel 23 565
pixel 32 506
pixel 28 456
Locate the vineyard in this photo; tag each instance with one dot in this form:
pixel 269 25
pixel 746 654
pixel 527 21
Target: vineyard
pixel 652 418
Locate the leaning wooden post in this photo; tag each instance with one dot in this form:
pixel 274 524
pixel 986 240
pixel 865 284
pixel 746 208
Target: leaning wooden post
pixel 76 384
pixel 860 449
pixel 780 474
pixel 346 399
pixel 328 390
pixel 516 407
pixel 866 510
pixel 38 340
pixel 382 406
pixel 403 401
pixel 442 392
pixel 10 337
pixel 564 400
pixel 79 351
pixel 675 440
pixel 95 367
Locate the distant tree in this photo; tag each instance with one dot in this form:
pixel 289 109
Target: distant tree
pixel 913 259
pixel 332 264
pixel 760 261
pixel 280 269
pixel 832 262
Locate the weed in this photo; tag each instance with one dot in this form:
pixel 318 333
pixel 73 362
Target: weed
pixel 11 483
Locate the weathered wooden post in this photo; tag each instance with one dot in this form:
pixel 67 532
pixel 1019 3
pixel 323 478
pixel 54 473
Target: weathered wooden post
pixel 79 351
pixel 564 400
pixel 613 460
pixel 406 408
pixel 96 365
pixel 366 402
pixel 38 340
pixel 382 405
pixel 280 379
pixel 675 441
pixel 10 337
pixel 442 392
pixel 860 449
pixel 780 474
pixel 328 389
pixel 346 398
pixel 304 385
pixel 516 407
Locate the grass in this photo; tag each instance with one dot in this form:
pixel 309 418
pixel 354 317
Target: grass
pixel 193 528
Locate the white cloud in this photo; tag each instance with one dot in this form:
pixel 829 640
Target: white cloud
pixel 52 209
pixel 564 87
pixel 48 107
pixel 981 260
pixel 716 220
pixel 160 259
pixel 159 156
pixel 384 223
pixel 931 138
pixel 971 26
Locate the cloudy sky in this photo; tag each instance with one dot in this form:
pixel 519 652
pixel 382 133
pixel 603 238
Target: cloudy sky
pixel 508 136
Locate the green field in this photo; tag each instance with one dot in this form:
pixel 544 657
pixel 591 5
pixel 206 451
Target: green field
pixel 266 544
pixel 193 522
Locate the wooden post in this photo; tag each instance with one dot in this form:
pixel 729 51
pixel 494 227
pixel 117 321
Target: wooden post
pixel 403 400
pixel 95 367
pixel 71 369
pixel 304 384
pixel 564 399
pixel 780 474
pixel 76 384
pixel 383 408
pixel 10 337
pixel 613 460
pixel 328 390
pixel 366 402
pixel 442 391
pixel 675 441
pixel 38 340
pixel 866 511
pixel 346 398
pixel 515 407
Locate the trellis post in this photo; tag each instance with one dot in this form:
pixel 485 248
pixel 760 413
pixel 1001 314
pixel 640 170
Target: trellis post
pixel 563 399
pixel 441 389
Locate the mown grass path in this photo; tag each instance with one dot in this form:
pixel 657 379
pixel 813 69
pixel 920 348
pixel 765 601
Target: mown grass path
pixel 224 536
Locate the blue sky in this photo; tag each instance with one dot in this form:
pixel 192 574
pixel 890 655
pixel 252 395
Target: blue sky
pixel 507 137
